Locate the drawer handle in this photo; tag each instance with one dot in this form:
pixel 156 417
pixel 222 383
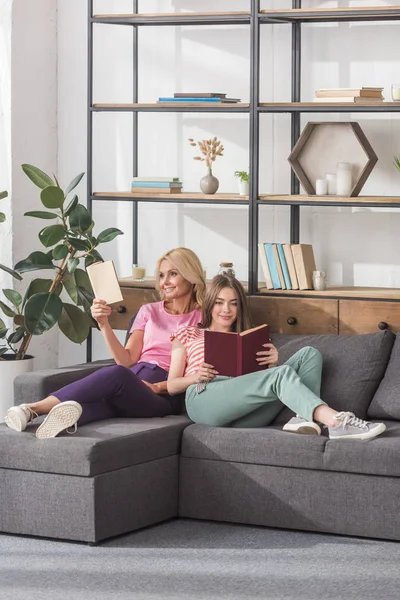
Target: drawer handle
pixel 292 321
pixel 121 309
pixel 383 325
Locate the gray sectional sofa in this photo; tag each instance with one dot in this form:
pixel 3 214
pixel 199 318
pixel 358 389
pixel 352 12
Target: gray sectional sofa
pixel 115 476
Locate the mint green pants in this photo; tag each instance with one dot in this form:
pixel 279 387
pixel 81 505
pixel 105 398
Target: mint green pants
pixel 255 400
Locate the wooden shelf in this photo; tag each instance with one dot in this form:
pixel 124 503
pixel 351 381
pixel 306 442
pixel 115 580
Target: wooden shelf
pixel 182 197
pixel 172 15
pixel 329 107
pixel 150 283
pixel 375 13
pixel 372 293
pixel 388 201
pixel 186 18
pixel 173 106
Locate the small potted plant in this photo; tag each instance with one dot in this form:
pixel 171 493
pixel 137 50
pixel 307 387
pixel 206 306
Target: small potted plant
pixel 243 177
pixel 397 162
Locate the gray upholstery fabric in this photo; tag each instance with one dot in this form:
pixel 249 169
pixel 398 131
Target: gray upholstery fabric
pixel 292 498
pixel 32 387
pixel 88 509
pixel 273 447
pixel 386 402
pixel 96 448
pixel 353 365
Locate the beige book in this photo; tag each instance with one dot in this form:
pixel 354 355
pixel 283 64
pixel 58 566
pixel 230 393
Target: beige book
pixel 265 267
pixel 287 250
pixel 304 262
pixel 278 266
pixel 104 280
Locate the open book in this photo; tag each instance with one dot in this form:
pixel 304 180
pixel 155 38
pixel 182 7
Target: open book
pixel 104 280
pixel 234 354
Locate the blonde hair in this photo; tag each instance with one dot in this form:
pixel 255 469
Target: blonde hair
pixel 218 283
pixel 189 266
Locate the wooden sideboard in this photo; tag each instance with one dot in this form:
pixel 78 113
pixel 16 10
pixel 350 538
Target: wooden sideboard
pixel 336 310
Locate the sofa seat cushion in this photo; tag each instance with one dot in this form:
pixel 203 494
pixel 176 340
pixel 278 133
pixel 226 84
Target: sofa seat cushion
pixel 270 446
pixel 96 448
pixel 353 365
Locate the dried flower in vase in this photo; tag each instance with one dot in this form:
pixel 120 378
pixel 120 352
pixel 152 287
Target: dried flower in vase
pixel 209 149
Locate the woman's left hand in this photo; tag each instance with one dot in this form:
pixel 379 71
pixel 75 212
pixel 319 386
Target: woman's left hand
pixel 269 357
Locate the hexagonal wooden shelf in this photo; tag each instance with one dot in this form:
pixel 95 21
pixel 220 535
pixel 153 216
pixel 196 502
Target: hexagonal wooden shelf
pixel 322 145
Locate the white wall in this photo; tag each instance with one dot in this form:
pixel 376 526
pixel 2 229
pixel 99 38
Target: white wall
pixel 355 246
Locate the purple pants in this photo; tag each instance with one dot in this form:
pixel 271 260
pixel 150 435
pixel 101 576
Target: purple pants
pixel 118 391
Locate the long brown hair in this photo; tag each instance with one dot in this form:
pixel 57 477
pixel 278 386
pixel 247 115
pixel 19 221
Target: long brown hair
pixel 218 283
pixel 189 266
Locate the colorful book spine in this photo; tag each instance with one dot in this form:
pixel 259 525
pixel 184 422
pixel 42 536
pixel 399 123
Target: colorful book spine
pixel 273 269
pixel 284 266
pixel 165 179
pixel 290 265
pixel 156 184
pixel 265 267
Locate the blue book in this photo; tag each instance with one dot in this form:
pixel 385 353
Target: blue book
pixel 156 184
pixel 189 100
pixel 273 269
pixel 284 266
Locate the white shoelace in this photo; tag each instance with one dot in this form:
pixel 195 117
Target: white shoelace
pixel 349 418
pixel 32 414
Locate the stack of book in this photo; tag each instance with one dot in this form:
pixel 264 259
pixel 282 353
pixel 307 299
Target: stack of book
pixel 148 186
pixel 207 97
pixel 287 266
pixel 358 95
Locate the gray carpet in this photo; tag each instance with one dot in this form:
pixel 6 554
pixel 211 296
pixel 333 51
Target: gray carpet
pixel 193 560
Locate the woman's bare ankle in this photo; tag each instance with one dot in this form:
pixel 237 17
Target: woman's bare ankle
pixel 44 406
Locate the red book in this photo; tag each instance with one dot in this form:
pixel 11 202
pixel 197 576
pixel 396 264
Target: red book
pixel 234 354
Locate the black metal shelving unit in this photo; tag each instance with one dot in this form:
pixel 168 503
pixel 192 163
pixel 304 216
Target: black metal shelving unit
pixel 255 18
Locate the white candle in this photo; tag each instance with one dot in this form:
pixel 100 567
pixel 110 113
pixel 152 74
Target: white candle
pixel 343 179
pixel 396 92
pixel 331 182
pixel 321 187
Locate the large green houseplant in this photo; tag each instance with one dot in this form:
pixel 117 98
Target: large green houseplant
pixel 68 243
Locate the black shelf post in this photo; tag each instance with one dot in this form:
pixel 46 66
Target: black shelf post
pixel 89 158
pixel 135 132
pixel 295 121
pixel 254 144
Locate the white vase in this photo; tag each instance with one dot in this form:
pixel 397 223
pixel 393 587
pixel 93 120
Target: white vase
pixel 243 188
pixel 9 369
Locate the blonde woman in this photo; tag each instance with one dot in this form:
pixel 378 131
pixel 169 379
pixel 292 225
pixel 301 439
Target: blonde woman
pixel 137 385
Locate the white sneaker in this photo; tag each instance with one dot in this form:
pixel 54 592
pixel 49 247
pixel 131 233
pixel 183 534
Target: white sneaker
pixel 351 427
pixel 18 417
pixel 298 424
pixel 61 417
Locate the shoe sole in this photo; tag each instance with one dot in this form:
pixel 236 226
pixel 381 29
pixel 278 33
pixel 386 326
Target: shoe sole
pixel 60 417
pixel 13 422
pixel 361 436
pixel 302 429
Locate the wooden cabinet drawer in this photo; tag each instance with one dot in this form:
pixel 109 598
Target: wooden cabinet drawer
pixel 295 315
pixel 134 298
pixel 362 316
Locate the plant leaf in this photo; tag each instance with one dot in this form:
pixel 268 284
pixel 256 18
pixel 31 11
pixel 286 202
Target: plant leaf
pixel 2 217
pixel 82 280
pixel 3 351
pixel 42 312
pixel 38 286
pixel 80 219
pixel 60 252
pixel 41 214
pixel 37 176
pixel 19 320
pixel 17 335
pixel 73 183
pixel 3 195
pixel 34 262
pixel 78 244
pixel 2 324
pixel 52 197
pixel 14 297
pixel 11 272
pixel 71 206
pixel 3 333
pixel 74 323
pixel 72 264
pixel 70 287
pixel 51 235
pixel 93 257
pixel 108 234
pixel 7 310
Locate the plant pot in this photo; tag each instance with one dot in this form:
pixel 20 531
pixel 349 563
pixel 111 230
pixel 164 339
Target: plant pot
pixel 243 188
pixel 9 369
pixel 209 184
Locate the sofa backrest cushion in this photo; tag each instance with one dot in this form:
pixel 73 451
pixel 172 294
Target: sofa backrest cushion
pixel 353 365
pixel 386 402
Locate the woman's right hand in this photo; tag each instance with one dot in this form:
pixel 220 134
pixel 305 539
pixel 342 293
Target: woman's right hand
pixel 205 373
pixel 100 311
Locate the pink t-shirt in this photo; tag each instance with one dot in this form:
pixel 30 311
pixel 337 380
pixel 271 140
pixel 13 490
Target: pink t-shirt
pixel 158 327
